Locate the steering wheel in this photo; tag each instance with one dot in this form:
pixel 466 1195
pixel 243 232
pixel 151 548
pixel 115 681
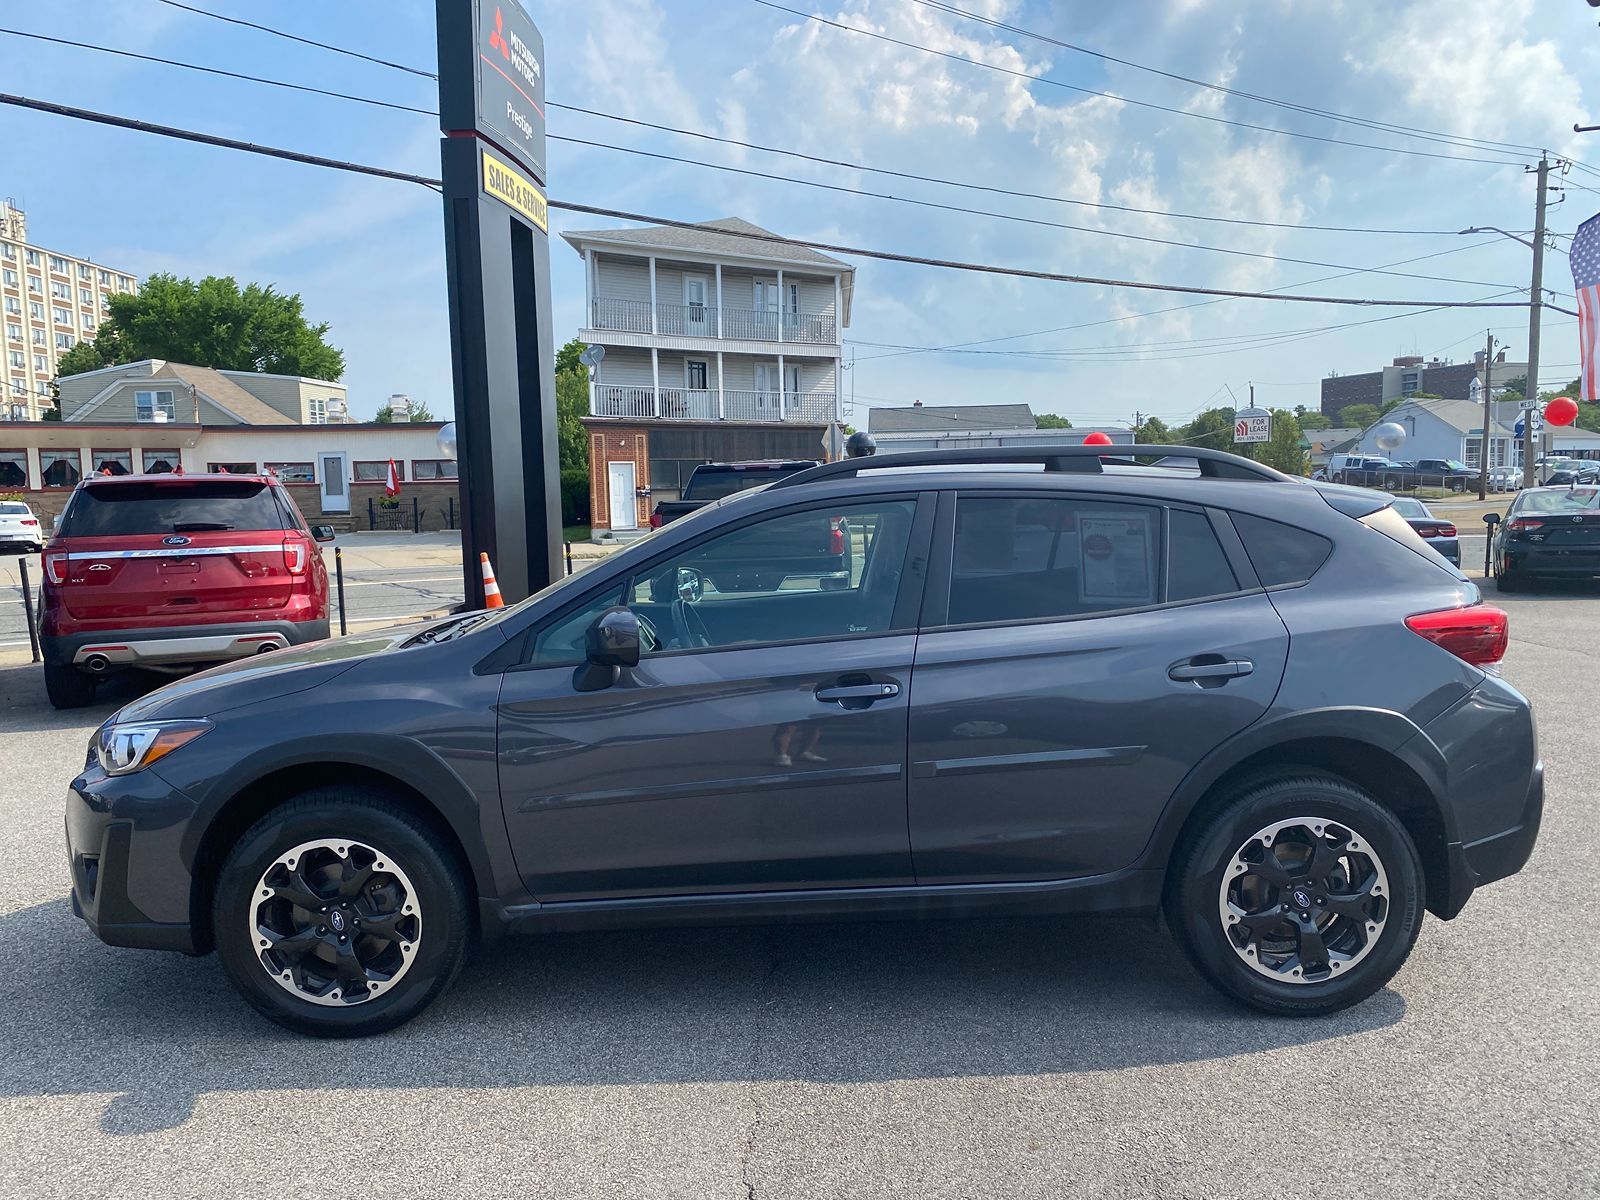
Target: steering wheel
pixel 652 636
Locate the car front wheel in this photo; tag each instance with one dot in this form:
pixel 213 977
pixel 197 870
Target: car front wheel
pixel 340 914
pixel 68 687
pixel 1300 897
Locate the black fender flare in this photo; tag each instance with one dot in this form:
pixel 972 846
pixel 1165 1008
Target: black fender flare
pixel 399 757
pixel 1385 731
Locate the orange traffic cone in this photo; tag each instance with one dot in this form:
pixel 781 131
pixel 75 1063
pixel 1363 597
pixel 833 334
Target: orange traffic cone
pixel 491 589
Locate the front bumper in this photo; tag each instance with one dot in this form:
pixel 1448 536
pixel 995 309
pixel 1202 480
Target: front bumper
pixel 183 644
pixel 130 883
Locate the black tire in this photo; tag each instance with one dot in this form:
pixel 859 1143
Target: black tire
pixel 1391 483
pixel 68 687
pixel 1508 582
pixel 1196 879
pixel 366 817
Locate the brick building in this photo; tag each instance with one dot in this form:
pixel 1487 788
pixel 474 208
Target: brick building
pixel 1409 375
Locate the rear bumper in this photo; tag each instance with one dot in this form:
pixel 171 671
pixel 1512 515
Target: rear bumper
pixel 179 645
pixel 1474 864
pixel 1553 561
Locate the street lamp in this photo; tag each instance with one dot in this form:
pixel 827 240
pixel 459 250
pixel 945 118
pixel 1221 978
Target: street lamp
pixel 1496 229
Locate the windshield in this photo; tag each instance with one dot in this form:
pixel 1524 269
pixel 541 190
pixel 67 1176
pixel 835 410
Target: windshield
pixel 715 485
pixel 1563 500
pixel 13 510
pixel 1457 465
pixel 1411 508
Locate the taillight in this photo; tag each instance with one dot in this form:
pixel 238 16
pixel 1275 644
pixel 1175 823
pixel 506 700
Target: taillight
pixel 1445 531
pixel 655 520
pixel 55 568
pixel 835 535
pixel 30 520
pixel 1523 524
pixel 294 556
pixel 1477 635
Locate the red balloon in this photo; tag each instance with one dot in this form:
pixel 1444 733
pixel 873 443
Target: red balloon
pixel 1561 411
pixel 1104 439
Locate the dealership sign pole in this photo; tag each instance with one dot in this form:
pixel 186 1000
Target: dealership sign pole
pixel 497 258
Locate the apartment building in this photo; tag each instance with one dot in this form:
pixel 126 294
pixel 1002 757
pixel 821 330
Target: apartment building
pixel 717 347
pixel 48 301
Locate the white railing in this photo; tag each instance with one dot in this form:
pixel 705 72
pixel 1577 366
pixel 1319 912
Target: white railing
pixel 705 404
pixel 700 320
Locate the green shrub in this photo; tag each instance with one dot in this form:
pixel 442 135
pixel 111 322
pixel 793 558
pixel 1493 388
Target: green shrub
pixel 575 497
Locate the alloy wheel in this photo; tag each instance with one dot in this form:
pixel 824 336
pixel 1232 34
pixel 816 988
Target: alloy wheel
pixel 1304 900
pixel 335 922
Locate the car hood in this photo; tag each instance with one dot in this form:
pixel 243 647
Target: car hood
pixel 270 676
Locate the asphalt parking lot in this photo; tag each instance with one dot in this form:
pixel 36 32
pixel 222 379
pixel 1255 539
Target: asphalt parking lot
pixel 1019 1058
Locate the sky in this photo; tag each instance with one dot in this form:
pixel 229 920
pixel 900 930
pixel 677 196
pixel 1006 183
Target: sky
pixel 367 256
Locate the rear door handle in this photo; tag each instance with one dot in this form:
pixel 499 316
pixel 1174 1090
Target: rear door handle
pixel 1228 669
pixel 858 693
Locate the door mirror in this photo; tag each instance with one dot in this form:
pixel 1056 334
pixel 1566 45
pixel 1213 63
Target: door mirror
pixel 322 533
pixel 691 585
pixel 613 639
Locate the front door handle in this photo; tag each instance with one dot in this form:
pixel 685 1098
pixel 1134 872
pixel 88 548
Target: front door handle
pixel 1224 669
pixel 857 694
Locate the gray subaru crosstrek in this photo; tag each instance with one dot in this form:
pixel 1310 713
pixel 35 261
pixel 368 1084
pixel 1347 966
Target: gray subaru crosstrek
pixel 1044 682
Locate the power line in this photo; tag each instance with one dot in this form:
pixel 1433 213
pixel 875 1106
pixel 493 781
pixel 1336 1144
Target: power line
pixel 998 191
pixel 293 37
pixel 973 62
pixel 188 66
pixel 764 238
pixel 980 212
pixel 1014 218
pixel 1432 135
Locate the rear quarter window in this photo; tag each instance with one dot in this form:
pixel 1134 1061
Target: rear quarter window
pixel 1284 554
pixel 1395 527
pixel 201 506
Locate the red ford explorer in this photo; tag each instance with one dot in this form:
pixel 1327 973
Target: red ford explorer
pixel 172 572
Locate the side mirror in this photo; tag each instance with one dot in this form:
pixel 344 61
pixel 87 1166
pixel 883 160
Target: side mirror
pixel 691 585
pixel 613 639
pixel 322 533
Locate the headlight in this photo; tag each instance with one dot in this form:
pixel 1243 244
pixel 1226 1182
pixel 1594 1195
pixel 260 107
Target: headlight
pixel 123 749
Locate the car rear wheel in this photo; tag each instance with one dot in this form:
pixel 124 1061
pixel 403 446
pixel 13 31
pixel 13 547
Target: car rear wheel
pixel 67 687
pixel 1300 897
pixel 340 915
pixel 1508 581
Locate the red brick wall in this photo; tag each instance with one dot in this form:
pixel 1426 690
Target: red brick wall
pixel 617 443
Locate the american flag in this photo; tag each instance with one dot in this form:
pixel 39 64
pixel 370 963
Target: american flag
pixel 1585 256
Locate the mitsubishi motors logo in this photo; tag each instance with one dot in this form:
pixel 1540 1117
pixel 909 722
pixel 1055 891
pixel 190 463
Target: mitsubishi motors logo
pixel 497 40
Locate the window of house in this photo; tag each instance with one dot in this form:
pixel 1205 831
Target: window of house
pixel 60 468
pixel 112 462
pixel 292 472
pixel 62 316
pixel 83 271
pixel 158 462
pixel 85 296
pixel 13 305
pixel 18 359
pixel 124 284
pixel 14 331
pixel 58 264
pixel 61 291
pixel 11 278
pixel 695 374
pixel 7 250
pixel 147 404
pixel 33 258
pixel 1281 554
pixel 423 469
pixel 89 323
pixel 378 469
pixel 64 341
pixel 34 285
pixel 317 412
pixel 13 468
pixel 105 278
pixel 231 468
pixel 39 337
pixel 36 310
pixel 41 363
pixel 670 474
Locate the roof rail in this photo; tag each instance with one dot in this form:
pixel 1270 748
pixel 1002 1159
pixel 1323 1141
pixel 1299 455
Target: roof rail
pixel 1085 460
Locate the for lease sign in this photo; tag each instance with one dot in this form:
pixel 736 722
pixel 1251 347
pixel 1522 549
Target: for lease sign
pixel 1252 428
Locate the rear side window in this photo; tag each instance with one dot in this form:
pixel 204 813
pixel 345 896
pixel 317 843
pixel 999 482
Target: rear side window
pixel 1196 565
pixel 1283 553
pixel 198 507
pixel 1392 525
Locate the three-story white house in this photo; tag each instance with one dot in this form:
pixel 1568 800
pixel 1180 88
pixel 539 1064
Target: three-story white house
pixel 717 347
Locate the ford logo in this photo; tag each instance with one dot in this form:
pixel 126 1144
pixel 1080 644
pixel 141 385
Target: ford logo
pixel 175 540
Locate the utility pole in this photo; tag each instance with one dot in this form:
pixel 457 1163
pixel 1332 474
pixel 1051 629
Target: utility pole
pixel 1488 410
pixel 1535 312
pixel 1138 425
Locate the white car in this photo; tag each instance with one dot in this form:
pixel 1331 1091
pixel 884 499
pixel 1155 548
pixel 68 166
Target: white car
pixel 1505 479
pixel 18 525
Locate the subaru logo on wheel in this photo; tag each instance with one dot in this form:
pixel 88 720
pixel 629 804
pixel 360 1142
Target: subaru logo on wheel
pixel 336 919
pixel 176 539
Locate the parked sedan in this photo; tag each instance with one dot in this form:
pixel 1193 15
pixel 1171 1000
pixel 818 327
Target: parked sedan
pixel 1547 532
pixel 1441 535
pixel 19 527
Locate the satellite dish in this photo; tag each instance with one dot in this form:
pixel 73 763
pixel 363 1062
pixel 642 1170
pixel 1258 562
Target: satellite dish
pixel 447 440
pixel 1391 435
pixel 592 356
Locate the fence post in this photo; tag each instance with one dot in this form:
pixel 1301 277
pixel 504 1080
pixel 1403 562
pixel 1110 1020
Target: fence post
pixel 27 604
pixel 372 519
pixel 569 558
pixel 338 575
pixel 452 518
pixel 416 516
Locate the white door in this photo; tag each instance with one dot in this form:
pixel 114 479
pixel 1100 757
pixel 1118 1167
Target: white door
pixel 697 316
pixel 766 299
pixel 333 482
pixel 620 488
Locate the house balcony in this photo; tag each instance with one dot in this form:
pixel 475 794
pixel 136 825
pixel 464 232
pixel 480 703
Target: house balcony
pixel 710 404
pixel 711 321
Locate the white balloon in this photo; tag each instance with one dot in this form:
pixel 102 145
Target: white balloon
pixel 1390 435
pixel 447 439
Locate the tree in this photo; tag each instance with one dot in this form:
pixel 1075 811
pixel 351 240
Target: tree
pixel 85 356
pixel 384 416
pixel 1312 419
pixel 1360 416
pixel 1050 421
pixel 572 404
pixel 214 323
pixel 1212 429
pixel 1154 432
pixel 1283 451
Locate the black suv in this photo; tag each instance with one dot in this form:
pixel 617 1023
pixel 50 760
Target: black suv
pixel 1129 684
